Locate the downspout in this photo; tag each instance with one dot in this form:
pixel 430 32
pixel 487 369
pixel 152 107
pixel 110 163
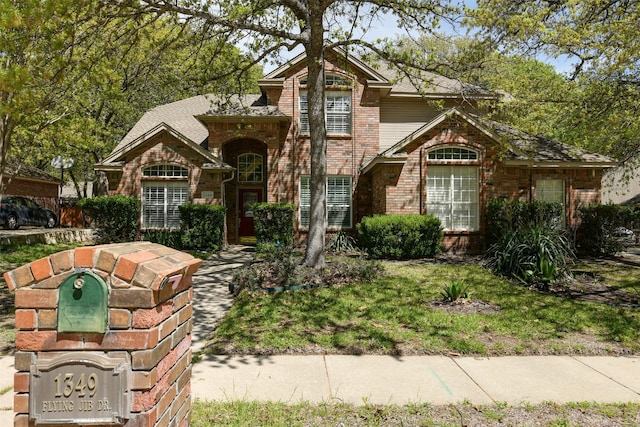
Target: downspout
pixel 223 198
pixel 421 186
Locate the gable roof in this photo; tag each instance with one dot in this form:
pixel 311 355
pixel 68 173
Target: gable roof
pixel 185 120
pixel 114 160
pixel 383 76
pixel 179 115
pixel 23 170
pixel 521 148
pixel 524 148
pixel 186 116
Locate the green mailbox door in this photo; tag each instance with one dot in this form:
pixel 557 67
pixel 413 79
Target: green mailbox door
pixel 82 303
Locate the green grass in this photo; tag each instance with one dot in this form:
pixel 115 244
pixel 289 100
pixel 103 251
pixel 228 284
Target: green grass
pixel 241 413
pixel 393 315
pixel 13 256
pixel 615 275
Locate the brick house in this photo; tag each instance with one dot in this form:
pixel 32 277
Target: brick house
pixel 390 150
pixel 28 181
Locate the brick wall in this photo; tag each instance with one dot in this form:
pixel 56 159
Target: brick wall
pixel 149 324
pixel 164 149
pixel 398 189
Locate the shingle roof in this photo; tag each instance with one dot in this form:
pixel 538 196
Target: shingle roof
pixel 520 147
pixel 434 84
pixel 179 115
pixel 525 147
pixel 383 73
pixel 27 171
pixel 183 115
pixel 246 106
pixel 115 158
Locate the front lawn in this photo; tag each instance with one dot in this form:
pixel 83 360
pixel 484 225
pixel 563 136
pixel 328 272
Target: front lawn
pixel 398 313
pixel 240 413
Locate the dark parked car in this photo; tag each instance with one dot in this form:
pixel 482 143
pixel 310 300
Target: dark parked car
pixel 16 211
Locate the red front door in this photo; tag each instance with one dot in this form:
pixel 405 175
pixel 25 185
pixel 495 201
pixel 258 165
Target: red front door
pixel 247 197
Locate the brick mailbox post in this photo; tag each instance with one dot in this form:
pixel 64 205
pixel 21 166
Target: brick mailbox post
pixel 104 337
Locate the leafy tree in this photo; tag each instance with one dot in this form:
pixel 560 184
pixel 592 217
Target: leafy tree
pixel 118 70
pixel 267 26
pixel 600 40
pixel 36 45
pixel 163 64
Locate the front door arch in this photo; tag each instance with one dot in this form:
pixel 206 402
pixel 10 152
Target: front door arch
pixel 248 186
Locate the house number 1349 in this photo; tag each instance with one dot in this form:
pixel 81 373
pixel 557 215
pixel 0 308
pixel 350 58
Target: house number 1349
pixel 65 386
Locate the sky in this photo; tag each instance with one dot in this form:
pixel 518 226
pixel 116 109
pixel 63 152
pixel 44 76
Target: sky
pixel 386 26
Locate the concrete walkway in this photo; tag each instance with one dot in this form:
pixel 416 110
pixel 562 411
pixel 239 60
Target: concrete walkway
pixel 211 297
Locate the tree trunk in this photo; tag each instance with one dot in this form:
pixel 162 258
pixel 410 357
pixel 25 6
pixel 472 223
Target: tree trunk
pixel 318 139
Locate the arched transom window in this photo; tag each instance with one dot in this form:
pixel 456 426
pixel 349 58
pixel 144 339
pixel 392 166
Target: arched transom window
pixel 250 168
pixel 452 153
pixel 165 171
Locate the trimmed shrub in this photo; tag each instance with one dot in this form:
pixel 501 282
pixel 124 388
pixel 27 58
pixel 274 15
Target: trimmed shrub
pixel 115 218
pixel 171 238
pixel 598 232
pixel 273 225
pixel 400 236
pixel 202 226
pixel 509 214
pixel 283 270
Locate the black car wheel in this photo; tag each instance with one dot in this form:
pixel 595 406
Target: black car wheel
pixel 12 222
pixel 51 222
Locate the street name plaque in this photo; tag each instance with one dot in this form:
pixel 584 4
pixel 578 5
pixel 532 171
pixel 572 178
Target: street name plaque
pixel 80 389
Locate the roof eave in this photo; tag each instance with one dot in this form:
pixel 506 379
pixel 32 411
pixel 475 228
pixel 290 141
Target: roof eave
pixel 440 95
pixel 577 164
pixel 109 167
pixel 271 83
pixel 384 160
pixel 241 118
pixel 217 167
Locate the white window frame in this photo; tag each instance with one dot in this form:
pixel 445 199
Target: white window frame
pixel 165 171
pixel 453 188
pixel 161 198
pixel 337 113
pixel 339 202
pixel 338 106
pixel 250 160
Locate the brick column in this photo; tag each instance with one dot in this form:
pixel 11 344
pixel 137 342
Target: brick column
pixel 148 327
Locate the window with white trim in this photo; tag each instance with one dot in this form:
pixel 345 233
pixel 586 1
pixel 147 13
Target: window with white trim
pixel 250 167
pixel 452 190
pixel 337 107
pixel 338 201
pixel 160 199
pixel 165 171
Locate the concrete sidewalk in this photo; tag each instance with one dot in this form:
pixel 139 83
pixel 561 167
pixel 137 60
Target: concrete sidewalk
pixel 382 380
pixel 438 380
